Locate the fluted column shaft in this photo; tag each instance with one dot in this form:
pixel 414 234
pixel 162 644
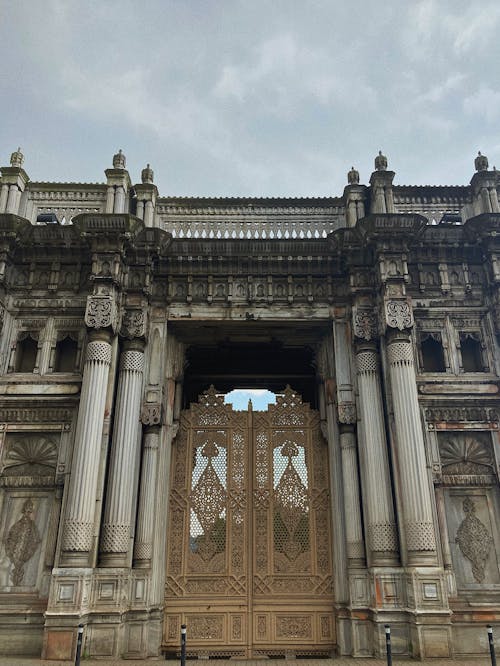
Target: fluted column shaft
pixel 80 508
pixel 376 480
pixel 110 199
pixel 143 547
pixel 352 503
pixel 418 524
pixel 149 213
pixel 119 204
pixel 116 526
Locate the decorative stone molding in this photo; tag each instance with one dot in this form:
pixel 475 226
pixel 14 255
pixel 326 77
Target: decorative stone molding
pixel 365 324
pixel 132 361
pixel 151 414
pixel 459 414
pixel 382 537
pixel 101 312
pixel 115 538
pixel 78 536
pixel 398 314
pixel 98 351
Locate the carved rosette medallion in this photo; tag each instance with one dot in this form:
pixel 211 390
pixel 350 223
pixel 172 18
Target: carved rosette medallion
pixel 134 324
pixel 101 312
pixel 474 540
pixel 365 324
pixel 398 314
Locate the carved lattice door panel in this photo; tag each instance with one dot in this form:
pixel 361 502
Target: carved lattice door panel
pixel 249 567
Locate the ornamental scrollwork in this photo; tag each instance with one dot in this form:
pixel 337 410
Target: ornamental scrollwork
pixel 398 315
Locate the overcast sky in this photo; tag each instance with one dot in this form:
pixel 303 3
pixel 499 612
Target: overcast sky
pixel 250 97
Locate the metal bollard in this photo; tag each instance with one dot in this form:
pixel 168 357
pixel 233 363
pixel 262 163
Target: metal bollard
pixel 183 645
pixel 79 641
pixel 388 644
pixel 492 647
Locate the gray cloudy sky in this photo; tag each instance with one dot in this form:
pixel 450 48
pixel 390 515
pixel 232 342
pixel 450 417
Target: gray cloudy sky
pixel 250 97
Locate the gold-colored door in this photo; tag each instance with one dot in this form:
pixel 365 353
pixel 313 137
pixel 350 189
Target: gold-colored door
pixel 249 565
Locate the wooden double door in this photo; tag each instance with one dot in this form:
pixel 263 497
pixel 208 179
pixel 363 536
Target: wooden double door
pixel 249 561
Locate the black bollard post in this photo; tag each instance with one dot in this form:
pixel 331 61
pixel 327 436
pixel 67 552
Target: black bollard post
pixel 183 645
pixel 79 641
pixel 388 644
pixel 492 647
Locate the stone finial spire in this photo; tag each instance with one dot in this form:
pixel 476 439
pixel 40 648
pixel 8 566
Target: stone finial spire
pixel 381 162
pixel 147 175
pixel 353 176
pixel 119 160
pixel 481 162
pixel 17 158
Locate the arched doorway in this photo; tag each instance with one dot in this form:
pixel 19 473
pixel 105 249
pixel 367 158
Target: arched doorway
pixel 249 562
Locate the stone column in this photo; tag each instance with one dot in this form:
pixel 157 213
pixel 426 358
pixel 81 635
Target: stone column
pixel 376 479
pixel 110 198
pixel 352 501
pixel 78 531
pixel 417 524
pixel 4 193
pixel 116 526
pixel 13 200
pixel 143 546
pixel 119 205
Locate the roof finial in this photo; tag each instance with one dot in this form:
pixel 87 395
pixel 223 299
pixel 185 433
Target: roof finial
pixel 381 162
pixel 17 158
pixel 353 176
pixel 119 160
pixel 481 162
pixel 147 174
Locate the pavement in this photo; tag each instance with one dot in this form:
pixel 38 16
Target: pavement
pixel 338 661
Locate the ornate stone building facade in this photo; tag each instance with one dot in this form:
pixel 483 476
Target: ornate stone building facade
pixel 133 499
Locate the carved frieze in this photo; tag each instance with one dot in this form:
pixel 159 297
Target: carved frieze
pixel 461 414
pixel 398 314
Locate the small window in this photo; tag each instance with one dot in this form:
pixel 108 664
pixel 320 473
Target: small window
pixel 432 353
pixel 66 355
pixel 26 353
pixel 472 355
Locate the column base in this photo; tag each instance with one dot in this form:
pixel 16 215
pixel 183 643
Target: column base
pixel 115 560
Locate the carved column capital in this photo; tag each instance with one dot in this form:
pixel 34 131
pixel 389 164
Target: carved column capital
pixel 365 323
pixel 134 323
pixel 101 312
pixel 347 412
pixel 398 314
pixel 151 414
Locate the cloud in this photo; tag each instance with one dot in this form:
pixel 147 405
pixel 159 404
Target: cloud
pixel 483 104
